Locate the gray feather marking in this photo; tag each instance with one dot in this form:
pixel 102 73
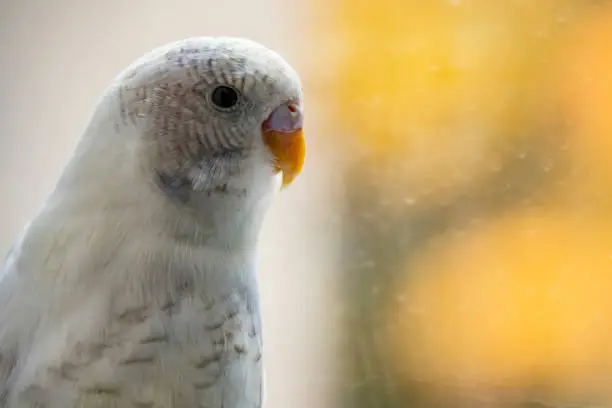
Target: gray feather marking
pixel 8 361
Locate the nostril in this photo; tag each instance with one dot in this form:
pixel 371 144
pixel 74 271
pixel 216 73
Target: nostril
pixel 292 108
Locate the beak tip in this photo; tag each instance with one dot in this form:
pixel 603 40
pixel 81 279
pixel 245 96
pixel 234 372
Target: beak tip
pixel 289 151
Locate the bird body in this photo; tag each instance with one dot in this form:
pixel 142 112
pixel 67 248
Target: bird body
pixel 136 284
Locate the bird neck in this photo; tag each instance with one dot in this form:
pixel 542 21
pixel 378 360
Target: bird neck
pixel 131 210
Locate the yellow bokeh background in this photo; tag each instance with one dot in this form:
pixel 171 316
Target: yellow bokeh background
pixel 584 79
pixel 435 100
pixel 443 90
pixel 524 297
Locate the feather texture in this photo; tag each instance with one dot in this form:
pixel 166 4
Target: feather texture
pixel 135 286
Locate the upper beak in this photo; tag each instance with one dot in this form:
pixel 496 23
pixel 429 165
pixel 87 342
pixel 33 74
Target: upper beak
pixel 282 134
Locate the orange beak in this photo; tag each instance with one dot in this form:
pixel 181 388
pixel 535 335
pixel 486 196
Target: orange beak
pixel 282 134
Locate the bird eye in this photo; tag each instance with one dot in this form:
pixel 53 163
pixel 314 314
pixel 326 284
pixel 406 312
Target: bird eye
pixel 224 97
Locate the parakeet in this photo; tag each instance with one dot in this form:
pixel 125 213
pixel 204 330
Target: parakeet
pixel 136 283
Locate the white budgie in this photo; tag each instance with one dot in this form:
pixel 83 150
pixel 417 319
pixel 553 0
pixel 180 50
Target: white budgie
pixel 135 286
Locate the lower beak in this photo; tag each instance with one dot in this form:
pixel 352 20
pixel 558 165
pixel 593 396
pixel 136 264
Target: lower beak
pixel 288 150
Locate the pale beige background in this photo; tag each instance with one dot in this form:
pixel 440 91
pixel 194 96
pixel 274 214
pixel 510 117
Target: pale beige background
pixel 58 56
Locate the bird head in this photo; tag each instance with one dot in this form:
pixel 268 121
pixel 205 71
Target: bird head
pixel 216 115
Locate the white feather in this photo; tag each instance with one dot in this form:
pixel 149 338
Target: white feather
pixel 116 296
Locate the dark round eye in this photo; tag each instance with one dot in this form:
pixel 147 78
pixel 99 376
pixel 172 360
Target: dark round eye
pixel 224 97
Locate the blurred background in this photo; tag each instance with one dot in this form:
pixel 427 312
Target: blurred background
pixel 448 243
